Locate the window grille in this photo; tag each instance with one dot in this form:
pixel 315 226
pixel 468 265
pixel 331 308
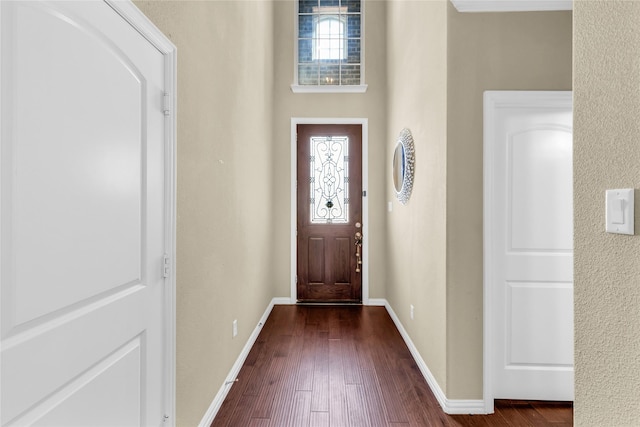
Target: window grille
pixel 329 43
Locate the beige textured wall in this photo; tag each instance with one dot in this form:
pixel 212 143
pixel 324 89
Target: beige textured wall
pixel 417 84
pixel 607 266
pixel 487 51
pixel 371 105
pixel 225 190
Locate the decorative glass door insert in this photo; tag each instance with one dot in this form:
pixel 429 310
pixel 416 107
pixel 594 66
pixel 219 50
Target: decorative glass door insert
pixel 329 179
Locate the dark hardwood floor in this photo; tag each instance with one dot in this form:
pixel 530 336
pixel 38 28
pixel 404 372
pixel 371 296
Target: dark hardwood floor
pixel 348 366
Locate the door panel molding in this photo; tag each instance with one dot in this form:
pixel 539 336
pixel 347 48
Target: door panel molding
pixel 295 121
pixel 493 102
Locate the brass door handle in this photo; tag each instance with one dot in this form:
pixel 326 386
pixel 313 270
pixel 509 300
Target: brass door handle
pixel 358 248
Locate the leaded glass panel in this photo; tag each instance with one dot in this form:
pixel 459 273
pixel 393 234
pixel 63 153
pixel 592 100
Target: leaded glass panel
pixel 329 179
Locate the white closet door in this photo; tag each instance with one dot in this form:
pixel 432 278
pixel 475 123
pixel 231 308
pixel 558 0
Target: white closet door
pixel 82 217
pixel 530 259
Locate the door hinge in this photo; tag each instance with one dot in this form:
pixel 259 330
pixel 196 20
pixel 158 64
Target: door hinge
pixel 166 104
pixel 166 266
pixel 296 279
pixel 364 193
pixel 165 418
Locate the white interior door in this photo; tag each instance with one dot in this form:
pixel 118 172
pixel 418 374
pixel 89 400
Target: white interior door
pixel 529 243
pixel 83 218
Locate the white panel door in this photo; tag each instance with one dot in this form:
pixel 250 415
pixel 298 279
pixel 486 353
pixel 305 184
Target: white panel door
pixel 530 259
pixel 82 218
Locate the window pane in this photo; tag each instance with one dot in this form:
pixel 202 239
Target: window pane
pixel 329 49
pixel 305 51
pixel 329 179
pixel 308 74
pixel 351 74
pixel 329 74
pixel 306 6
pixel 305 26
pixel 353 51
pixel 353 26
pixel 351 5
pixel 329 3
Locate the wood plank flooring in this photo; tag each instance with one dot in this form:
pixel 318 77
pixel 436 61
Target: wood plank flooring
pixel 329 366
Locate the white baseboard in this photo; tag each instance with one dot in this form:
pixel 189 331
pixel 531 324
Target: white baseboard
pixel 282 301
pixel 235 369
pixel 463 407
pixel 449 406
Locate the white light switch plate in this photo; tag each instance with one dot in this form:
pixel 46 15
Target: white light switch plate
pixel 619 211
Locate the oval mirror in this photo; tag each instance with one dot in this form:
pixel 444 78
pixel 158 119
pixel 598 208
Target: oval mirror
pixel 398 167
pixel 403 162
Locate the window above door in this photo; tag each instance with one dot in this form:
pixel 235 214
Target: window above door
pixel 329 48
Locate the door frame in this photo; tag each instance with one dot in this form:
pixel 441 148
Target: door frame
pixel 494 100
pixel 130 13
pixel 295 121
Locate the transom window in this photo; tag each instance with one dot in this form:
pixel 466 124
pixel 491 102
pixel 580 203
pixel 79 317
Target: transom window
pixel 329 43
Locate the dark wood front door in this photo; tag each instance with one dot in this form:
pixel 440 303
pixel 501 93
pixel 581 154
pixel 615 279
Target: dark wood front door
pixel 329 213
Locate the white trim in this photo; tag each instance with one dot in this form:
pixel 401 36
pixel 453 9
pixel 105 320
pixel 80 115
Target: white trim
pixel 171 86
pixel 235 369
pixel 149 31
pixel 449 406
pixel 365 200
pixel 138 20
pixel 494 100
pixel 380 302
pixel 488 179
pixel 328 89
pixel 511 5
pixel 281 301
pixel 465 407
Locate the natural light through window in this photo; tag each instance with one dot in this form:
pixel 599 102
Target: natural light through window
pixel 329 38
pixel 330 46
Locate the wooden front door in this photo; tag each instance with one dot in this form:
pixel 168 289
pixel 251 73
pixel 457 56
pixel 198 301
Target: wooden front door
pixel 329 222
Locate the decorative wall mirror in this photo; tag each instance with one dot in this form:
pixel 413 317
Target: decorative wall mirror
pixel 403 162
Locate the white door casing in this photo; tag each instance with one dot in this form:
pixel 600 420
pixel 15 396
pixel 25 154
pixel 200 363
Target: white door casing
pixel 87 214
pixel 528 233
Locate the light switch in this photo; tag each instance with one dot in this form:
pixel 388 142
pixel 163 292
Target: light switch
pixel 619 211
